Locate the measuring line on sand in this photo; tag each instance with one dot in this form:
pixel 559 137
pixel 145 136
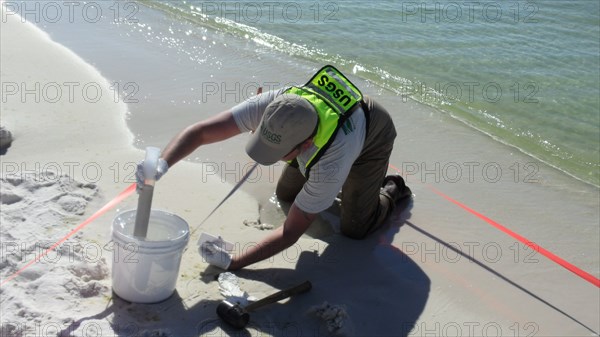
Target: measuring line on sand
pixel 123 195
pixel 553 257
pixel 131 188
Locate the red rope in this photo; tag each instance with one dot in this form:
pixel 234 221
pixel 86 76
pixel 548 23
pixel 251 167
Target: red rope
pixel 572 268
pixel 123 195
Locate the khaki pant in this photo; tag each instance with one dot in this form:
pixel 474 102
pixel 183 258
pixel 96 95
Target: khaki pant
pixel 364 206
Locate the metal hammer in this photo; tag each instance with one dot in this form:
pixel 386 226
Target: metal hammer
pixel 239 317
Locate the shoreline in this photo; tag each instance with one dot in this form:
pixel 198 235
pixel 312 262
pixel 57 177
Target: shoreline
pixel 424 290
pixel 488 117
pixel 66 161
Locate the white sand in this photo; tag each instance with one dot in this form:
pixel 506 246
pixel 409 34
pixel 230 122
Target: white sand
pixel 67 160
pixel 404 280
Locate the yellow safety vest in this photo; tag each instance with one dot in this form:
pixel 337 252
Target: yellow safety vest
pixel 334 98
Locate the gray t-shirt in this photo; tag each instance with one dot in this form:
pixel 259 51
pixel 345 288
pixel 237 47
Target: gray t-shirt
pixel 329 174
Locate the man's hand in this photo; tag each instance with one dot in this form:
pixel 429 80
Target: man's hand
pixel 214 253
pixel 140 175
pixel 277 240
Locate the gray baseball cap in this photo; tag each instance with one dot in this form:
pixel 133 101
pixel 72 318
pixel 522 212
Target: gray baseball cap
pixel 287 121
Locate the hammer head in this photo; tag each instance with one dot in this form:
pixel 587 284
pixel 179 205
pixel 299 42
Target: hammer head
pixel 233 314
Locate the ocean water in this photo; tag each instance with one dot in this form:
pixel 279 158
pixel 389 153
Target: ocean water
pixel 524 72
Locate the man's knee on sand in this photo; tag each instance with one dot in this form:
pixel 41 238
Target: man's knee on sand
pixel 359 225
pixel 290 184
pixel 286 193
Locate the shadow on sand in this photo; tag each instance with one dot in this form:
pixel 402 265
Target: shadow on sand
pixel 380 289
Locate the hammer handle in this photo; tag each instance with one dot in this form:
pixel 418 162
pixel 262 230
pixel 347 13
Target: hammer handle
pixel 280 295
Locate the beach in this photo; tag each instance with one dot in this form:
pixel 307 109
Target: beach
pixel 83 100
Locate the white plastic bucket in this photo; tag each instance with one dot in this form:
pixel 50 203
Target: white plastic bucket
pixel 145 271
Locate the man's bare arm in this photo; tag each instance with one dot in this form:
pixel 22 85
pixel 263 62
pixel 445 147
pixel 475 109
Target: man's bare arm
pixel 211 130
pixel 283 237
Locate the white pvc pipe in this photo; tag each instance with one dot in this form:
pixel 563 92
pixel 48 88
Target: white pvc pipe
pixel 145 197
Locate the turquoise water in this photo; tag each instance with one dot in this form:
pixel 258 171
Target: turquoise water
pixel 525 73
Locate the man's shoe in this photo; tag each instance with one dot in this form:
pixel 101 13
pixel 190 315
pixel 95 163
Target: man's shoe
pixel 395 187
